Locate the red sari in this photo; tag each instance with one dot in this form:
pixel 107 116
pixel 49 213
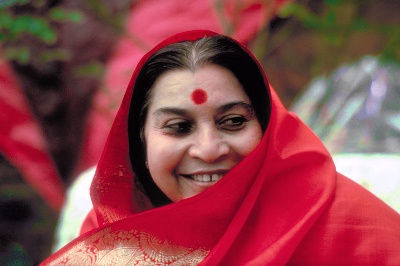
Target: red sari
pixel 283 204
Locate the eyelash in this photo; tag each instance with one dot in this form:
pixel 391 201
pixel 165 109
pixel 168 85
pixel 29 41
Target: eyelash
pixel 232 122
pixel 178 129
pixel 228 123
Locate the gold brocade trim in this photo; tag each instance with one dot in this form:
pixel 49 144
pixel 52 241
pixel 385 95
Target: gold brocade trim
pixel 132 247
pixel 108 216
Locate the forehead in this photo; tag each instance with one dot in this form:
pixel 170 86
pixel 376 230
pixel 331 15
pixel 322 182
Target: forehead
pixel 178 86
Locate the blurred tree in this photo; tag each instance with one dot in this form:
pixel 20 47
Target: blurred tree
pixel 311 38
pixel 58 49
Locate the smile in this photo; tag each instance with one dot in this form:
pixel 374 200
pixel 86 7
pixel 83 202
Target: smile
pixel 205 177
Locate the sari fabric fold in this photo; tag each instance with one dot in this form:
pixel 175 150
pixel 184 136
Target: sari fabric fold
pixel 283 204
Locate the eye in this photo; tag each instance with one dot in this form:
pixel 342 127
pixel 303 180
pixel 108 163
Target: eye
pixel 232 122
pixel 178 127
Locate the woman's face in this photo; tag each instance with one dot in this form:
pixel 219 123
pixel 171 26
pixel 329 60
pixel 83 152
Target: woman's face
pixel 199 125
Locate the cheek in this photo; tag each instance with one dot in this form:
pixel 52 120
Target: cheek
pixel 162 155
pixel 163 159
pixel 248 142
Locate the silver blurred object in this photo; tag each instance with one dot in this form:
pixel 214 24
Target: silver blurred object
pixel 356 109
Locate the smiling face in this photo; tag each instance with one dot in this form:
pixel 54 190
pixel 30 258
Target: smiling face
pixel 192 143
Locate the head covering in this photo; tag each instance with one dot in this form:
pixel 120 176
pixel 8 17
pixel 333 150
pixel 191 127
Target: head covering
pixel 283 203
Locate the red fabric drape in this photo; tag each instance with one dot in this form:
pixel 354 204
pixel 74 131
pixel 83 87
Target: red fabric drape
pixel 283 204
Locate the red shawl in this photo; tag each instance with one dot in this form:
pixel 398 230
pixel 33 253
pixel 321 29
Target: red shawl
pixel 283 204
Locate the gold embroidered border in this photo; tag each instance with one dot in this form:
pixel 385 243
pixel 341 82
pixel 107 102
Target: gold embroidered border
pixel 132 247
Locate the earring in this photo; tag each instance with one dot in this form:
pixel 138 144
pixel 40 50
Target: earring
pixel 147 164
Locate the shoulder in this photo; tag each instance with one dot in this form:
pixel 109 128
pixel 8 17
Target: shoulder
pixel 356 205
pixel 356 227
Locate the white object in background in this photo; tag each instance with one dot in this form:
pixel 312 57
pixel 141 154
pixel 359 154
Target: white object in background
pixel 379 173
pixel 77 206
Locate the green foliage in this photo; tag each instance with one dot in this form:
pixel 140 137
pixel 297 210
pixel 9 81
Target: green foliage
pixel 91 69
pixel 337 23
pixel 56 54
pixel 62 15
pixel 116 22
pixel 18 53
pixel 37 21
pixel 9 3
pixel 35 26
pixel 14 27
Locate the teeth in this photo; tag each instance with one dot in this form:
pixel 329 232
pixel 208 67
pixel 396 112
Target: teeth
pixel 207 178
pixel 216 177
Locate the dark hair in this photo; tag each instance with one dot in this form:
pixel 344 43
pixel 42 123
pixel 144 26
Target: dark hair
pixel 219 50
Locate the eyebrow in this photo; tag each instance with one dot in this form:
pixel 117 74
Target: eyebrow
pixel 221 109
pixel 170 110
pixel 232 105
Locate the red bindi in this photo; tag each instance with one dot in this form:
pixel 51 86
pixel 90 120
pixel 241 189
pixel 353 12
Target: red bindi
pixel 199 96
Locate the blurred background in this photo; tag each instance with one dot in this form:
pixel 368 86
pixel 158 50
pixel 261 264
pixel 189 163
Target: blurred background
pixel 65 64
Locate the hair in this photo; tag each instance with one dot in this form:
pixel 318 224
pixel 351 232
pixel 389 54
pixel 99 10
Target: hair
pixel 219 50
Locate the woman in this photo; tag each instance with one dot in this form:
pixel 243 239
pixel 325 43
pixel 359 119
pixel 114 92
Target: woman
pixel 224 174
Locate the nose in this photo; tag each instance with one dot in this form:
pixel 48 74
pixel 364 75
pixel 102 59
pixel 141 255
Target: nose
pixel 208 146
